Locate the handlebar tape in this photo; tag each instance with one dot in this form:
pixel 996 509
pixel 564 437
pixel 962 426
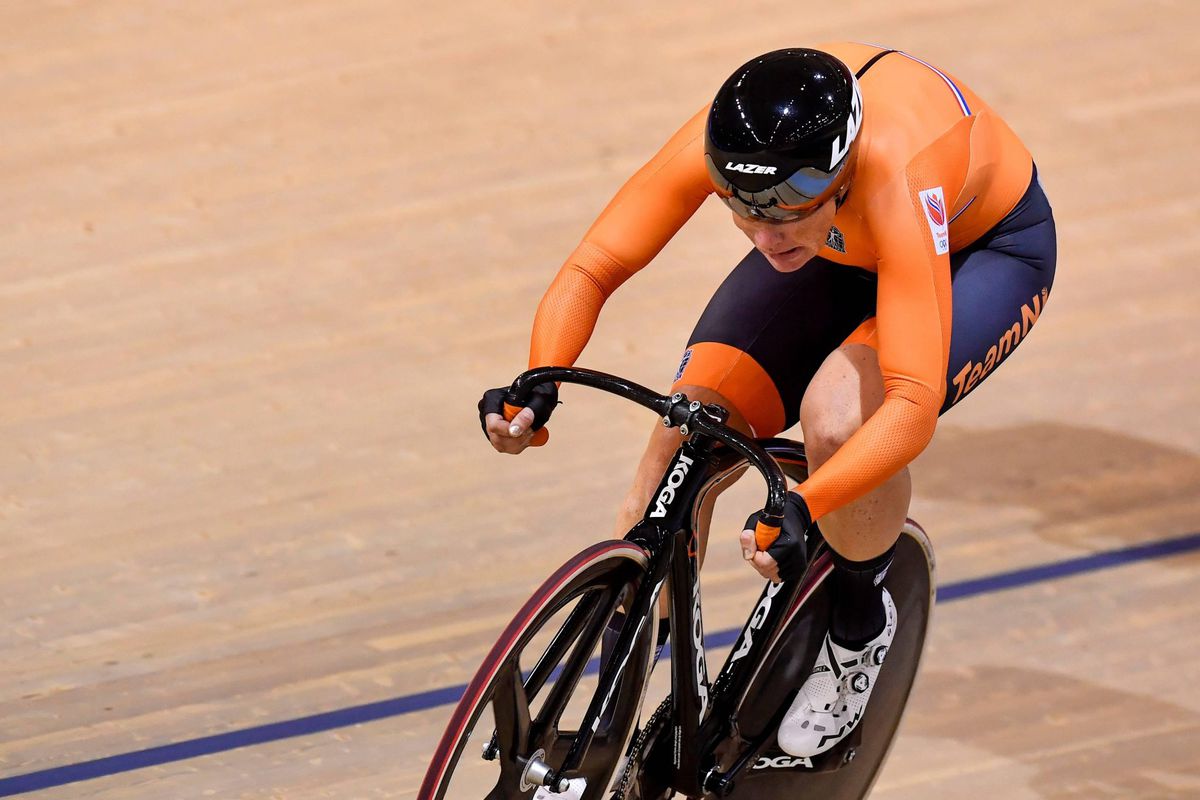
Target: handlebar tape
pixel 540 437
pixel 765 535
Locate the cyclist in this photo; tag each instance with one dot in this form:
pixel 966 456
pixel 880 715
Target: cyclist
pixel 903 247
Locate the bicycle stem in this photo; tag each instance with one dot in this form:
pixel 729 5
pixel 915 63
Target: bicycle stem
pixel 676 412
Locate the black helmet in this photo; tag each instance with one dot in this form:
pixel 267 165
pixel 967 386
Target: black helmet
pixel 781 133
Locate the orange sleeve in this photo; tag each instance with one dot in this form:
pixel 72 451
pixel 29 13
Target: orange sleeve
pixel 643 216
pixel 913 318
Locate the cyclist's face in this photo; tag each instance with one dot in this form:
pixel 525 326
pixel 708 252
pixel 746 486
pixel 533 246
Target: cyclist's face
pixel 788 246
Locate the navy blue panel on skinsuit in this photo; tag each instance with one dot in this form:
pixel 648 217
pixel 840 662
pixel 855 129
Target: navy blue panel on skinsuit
pixel 1000 286
pixel 789 322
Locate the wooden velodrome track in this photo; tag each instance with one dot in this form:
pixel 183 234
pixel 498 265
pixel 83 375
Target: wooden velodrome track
pixel 259 259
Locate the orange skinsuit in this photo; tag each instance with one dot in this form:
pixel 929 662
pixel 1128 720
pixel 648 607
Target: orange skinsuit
pixel 921 129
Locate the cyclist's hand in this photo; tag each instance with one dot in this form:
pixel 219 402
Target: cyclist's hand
pixel 526 426
pixel 783 559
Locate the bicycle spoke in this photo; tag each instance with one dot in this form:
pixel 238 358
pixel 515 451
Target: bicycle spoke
pixel 510 705
pixel 511 709
pixel 562 641
pixel 573 668
pixel 504 701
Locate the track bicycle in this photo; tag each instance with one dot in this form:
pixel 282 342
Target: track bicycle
pixel 535 724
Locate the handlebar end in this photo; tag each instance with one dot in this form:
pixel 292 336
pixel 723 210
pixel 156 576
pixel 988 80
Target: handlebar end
pixel 765 534
pixel 540 436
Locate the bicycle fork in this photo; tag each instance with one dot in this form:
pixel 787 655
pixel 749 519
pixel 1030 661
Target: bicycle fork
pixel 664 522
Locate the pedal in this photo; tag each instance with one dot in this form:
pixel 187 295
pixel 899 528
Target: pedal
pixel 840 754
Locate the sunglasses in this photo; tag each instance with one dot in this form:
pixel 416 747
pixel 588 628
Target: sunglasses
pixel 792 199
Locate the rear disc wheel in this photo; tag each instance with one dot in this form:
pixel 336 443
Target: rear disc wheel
pixel 848 771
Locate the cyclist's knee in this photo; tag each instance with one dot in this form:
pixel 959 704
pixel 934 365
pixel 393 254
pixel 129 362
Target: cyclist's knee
pixel 826 429
pixel 846 391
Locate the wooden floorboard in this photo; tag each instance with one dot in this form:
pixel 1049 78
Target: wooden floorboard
pixel 260 258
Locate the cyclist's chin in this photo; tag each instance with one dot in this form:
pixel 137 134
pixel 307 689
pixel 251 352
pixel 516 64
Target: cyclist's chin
pixel 789 260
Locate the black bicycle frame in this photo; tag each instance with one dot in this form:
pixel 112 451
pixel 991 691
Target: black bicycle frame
pixel 704 712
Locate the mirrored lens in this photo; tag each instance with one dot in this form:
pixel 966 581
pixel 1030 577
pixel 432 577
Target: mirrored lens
pixel 793 198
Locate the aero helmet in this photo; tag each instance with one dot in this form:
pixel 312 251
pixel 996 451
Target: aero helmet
pixel 781 134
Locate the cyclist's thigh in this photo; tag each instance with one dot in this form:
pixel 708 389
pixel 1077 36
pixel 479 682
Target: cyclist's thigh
pixel 765 333
pixel 1000 286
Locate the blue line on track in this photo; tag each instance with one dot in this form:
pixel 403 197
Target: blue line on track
pixel 423 701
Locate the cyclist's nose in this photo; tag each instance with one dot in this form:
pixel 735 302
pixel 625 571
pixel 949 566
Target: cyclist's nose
pixel 768 238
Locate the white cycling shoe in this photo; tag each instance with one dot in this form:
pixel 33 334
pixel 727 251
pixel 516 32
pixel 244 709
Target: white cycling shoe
pixel 833 699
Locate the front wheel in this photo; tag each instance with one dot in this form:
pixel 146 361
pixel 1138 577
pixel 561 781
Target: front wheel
pixel 524 704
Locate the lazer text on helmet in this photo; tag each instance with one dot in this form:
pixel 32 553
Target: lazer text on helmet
pixel 750 169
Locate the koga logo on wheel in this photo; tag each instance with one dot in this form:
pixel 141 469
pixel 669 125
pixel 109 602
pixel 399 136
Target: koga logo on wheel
pixel 783 762
pixel 667 495
pixel 756 620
